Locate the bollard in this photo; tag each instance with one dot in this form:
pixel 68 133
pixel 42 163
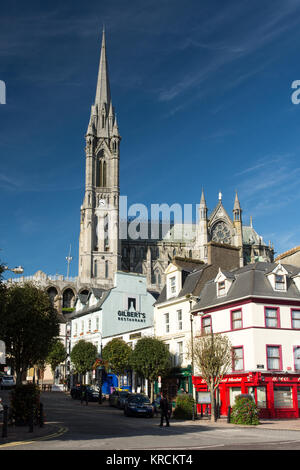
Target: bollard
pixel 41 415
pixel 228 414
pixel 5 420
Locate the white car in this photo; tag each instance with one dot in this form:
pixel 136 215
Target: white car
pixel 7 381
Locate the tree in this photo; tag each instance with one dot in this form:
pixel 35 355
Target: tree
pixel 28 324
pixel 57 354
pixel 83 356
pixel 213 357
pixel 150 358
pixel 117 353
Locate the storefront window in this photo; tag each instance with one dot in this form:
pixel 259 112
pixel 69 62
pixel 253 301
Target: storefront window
pixel 283 397
pixel 259 395
pixel 234 391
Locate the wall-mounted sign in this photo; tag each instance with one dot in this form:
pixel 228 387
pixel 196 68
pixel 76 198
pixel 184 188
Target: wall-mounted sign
pixel 203 397
pixel 125 315
pixel 260 366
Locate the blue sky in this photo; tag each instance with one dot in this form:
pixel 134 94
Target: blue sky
pixel 202 91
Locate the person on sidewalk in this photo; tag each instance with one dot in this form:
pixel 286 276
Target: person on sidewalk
pixel 164 410
pixel 84 396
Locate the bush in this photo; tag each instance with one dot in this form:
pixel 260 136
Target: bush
pixel 24 398
pixel 244 411
pixel 184 407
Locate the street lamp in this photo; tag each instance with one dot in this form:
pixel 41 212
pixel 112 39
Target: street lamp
pixel 190 298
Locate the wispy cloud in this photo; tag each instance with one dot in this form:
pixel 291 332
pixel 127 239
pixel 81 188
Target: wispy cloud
pixel 270 185
pixel 255 34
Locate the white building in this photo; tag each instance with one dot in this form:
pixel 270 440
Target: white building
pixel 124 311
pixel 172 313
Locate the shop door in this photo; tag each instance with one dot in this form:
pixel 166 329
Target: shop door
pixel 298 396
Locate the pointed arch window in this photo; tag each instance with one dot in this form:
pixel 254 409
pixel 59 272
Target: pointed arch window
pixel 104 174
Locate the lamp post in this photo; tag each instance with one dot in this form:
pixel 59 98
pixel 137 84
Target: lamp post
pixel 190 298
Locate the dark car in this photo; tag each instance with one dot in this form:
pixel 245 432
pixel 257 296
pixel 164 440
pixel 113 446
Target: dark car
pixel 118 398
pixel 138 405
pixel 78 391
pixel 156 406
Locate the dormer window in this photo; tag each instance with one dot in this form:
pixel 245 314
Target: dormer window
pixel 173 285
pixel 278 278
pixel 223 283
pixel 221 288
pixel 279 282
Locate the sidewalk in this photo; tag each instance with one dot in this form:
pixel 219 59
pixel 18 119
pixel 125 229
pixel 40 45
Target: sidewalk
pixel 280 424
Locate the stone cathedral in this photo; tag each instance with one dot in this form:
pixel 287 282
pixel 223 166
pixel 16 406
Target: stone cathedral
pixel 102 252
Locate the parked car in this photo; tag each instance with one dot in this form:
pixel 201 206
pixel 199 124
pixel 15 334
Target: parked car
pixel 118 398
pixel 138 405
pixel 78 390
pixel 7 381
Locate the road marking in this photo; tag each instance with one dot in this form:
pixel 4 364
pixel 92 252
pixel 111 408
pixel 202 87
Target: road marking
pixel 60 432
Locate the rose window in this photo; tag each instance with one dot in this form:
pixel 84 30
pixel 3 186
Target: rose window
pixel 221 233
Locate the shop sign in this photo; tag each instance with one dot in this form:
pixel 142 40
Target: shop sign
pixel 231 379
pixel 125 315
pixel 285 379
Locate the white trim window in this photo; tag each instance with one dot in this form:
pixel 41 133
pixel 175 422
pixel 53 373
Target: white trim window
pixel 179 319
pixel 167 322
pixel 173 285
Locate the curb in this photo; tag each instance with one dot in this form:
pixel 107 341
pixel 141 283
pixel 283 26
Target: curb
pixel 24 437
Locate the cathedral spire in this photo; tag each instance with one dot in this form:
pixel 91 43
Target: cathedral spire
pixel 236 203
pixel 103 88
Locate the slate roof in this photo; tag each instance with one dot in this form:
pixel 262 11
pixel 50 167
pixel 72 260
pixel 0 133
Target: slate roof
pixel 249 281
pixel 196 274
pixel 100 294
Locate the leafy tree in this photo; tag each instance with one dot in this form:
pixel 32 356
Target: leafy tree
pixel 150 358
pixel 28 324
pixel 83 356
pixel 57 354
pixel 213 357
pixel 117 354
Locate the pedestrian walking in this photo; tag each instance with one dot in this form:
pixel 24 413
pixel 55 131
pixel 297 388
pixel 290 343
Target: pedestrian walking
pixel 164 410
pixel 84 396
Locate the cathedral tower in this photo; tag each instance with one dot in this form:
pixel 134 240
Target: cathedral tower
pixel 99 250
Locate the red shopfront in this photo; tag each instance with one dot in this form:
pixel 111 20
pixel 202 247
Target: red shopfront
pixel 277 396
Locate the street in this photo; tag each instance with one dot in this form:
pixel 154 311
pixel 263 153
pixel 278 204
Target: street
pixel 100 427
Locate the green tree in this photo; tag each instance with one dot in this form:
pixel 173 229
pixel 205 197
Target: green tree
pixel 150 358
pixel 117 353
pixel 213 358
pixel 83 356
pixel 28 324
pixel 57 354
